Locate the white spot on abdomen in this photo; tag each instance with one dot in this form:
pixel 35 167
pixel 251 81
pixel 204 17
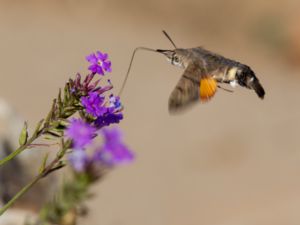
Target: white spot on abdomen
pixel 233 83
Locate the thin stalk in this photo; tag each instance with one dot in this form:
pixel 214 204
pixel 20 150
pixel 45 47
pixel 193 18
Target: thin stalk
pixel 49 169
pixel 19 194
pixel 19 150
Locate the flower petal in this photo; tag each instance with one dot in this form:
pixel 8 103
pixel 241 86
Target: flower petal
pixel 92 58
pixel 80 132
pixel 78 159
pixel 106 66
pixel 93 68
pixel 100 70
pixel 102 56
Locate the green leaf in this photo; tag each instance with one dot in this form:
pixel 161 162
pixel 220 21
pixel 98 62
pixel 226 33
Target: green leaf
pixel 38 127
pixel 59 103
pixel 66 93
pixel 43 166
pixel 51 113
pixel 54 132
pixel 23 135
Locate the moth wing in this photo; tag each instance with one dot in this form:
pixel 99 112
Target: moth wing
pixel 194 85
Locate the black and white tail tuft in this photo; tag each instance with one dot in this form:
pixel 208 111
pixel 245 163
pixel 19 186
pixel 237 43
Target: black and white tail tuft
pixel 256 86
pixel 247 78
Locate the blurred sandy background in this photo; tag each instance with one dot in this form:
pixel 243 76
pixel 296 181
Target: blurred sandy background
pixel 233 161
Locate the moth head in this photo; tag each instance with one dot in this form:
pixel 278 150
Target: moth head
pixel 175 57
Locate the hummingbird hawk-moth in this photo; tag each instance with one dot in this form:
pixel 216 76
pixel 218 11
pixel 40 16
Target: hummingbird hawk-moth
pixel 203 72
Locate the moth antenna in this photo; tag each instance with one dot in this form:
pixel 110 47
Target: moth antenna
pixel 166 34
pixel 130 64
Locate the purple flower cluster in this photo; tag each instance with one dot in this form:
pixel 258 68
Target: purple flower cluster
pixel 98 113
pixel 112 152
pixel 105 113
pixel 94 104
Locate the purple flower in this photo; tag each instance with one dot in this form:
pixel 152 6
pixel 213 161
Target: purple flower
pixel 113 151
pixel 107 119
pixel 99 63
pixel 79 160
pixel 93 104
pixel 115 103
pixel 80 132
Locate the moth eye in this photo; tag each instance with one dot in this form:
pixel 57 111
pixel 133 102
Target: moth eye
pixel 175 59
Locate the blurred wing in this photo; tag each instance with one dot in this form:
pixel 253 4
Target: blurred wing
pixel 194 85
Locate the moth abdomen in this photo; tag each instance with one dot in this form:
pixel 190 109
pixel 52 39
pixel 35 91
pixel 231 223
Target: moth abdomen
pixel 243 75
pixel 226 74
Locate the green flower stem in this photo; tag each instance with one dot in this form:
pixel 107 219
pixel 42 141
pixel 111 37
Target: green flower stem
pixel 19 194
pixel 40 128
pixel 19 150
pixel 50 168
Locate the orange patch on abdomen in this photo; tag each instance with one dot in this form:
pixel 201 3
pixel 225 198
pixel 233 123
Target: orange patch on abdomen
pixel 208 88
